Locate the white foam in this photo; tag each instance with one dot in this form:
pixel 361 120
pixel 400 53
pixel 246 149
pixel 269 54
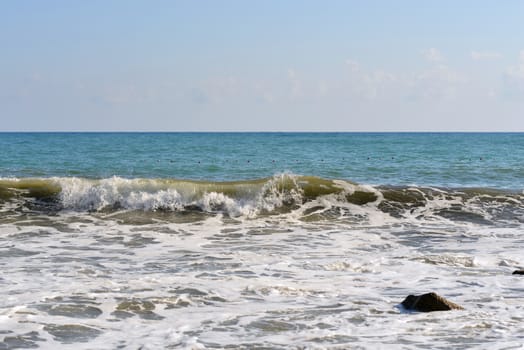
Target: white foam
pixel 316 284
pixel 150 194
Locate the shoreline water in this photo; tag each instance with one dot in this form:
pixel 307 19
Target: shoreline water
pixel 107 248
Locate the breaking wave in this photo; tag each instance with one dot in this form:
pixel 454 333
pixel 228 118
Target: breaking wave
pixel 278 194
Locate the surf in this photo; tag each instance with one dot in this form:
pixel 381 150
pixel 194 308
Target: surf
pixel 307 196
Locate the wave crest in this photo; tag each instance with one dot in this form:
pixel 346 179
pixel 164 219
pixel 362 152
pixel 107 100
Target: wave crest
pixel 309 196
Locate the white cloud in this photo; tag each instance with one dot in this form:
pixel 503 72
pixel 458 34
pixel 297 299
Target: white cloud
pixel 379 76
pixel 438 82
pixel 485 55
pixel 433 55
pixel 441 73
pixel 367 84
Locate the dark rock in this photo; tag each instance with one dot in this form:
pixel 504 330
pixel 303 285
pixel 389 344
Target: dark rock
pixel 518 272
pixel 193 208
pixel 429 302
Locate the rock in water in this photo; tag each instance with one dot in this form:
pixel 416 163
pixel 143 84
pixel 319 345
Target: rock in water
pixel 518 272
pixel 429 302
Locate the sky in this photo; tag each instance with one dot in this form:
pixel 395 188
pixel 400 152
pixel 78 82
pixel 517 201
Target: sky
pixel 262 65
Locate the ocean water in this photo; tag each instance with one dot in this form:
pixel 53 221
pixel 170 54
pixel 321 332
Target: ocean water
pixel 260 240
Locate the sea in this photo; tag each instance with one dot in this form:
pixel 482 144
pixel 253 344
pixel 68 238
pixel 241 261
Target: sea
pixel 260 240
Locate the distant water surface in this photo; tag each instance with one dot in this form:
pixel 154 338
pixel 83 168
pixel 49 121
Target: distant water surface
pixel 440 159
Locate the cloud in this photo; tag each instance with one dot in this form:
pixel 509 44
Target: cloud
pixel 438 82
pixel 367 84
pixel 433 55
pixel 485 55
pixel 375 82
pixel 441 73
pixel 379 76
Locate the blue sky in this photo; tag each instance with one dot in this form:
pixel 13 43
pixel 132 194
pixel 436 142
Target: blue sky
pixel 262 65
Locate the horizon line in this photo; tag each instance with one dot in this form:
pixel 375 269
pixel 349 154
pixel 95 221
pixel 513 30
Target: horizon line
pixel 254 132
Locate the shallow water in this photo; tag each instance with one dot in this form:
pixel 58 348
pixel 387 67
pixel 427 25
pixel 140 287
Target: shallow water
pixel 273 282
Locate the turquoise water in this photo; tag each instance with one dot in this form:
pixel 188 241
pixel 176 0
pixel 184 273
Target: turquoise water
pixel 426 159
